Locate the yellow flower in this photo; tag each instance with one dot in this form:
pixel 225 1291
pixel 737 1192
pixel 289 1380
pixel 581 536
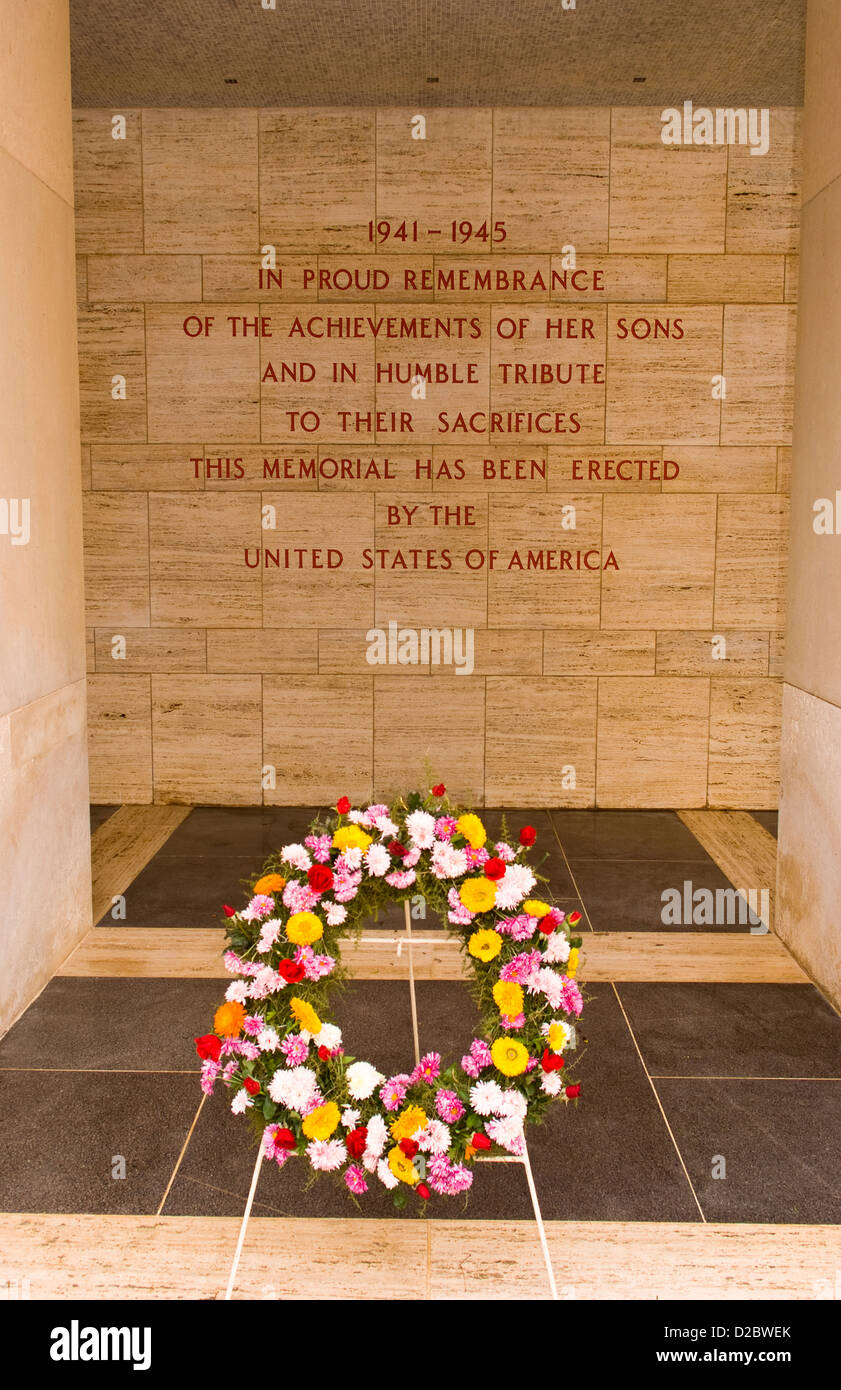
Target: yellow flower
pixel 572 963
pixel 270 883
pixel 228 1020
pixel 508 996
pixel 509 1056
pixel 478 894
pixel 408 1122
pixel 303 928
pixel 484 945
pixel 558 1036
pixel 305 1015
pixel 351 837
pixel 472 829
pixel 402 1167
pixel 321 1122
pixel 534 908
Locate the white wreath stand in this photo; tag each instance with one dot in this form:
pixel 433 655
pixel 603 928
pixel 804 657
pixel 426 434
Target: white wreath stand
pixel 501 1158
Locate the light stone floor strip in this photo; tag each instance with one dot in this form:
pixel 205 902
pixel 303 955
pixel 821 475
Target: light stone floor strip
pixel 137 1257
pixel 124 844
pixel 689 957
pixel 743 849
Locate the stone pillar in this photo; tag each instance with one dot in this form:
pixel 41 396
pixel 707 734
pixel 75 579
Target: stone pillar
pixel 809 871
pixel 45 887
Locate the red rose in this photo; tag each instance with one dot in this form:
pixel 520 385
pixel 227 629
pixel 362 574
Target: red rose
pixel 320 878
pixel 439 790
pixel 356 1141
pixel 229 911
pixel 573 1091
pixel 395 847
pixel 423 1191
pixel 324 1053
pixel 528 835
pixel 251 1086
pixel 409 1147
pixel 209 1047
pixel 573 919
pixel 550 1061
pixel 291 970
pixel 284 1139
pixel 480 1141
pixel 343 805
pixel 494 868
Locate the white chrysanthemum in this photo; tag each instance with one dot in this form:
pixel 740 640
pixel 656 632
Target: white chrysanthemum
pixel 449 862
pixel 329 1037
pixel 563 1033
pixel 335 914
pixel 385 1174
pixel 359 818
pixel 517 883
pixel 350 1117
pixel 557 947
pixel 326 1155
pixel 361 1079
pixel 237 992
pixel 550 984
pixel 298 856
pixel 551 1083
pixel 421 828
pixel 386 827
pixel 240 1102
pixel 512 1104
pixel 377 1136
pixel 435 1138
pixel 352 857
pixel 377 860
pixel 508 1133
pixel 485 1097
pixel 293 1088
pixel 268 1040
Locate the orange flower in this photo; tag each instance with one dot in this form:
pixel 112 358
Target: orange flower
pixel 270 883
pixel 228 1020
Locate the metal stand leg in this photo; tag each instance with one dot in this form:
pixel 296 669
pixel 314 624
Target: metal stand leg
pixel 540 1227
pixel 243 1228
pixel 412 979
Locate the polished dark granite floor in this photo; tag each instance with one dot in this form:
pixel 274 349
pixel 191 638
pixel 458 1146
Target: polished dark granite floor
pixel 99 1069
pixel 615 867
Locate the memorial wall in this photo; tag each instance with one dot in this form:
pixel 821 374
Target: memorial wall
pixel 457 436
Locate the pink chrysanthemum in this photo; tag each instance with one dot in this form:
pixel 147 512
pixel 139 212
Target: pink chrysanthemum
pixel 445 827
pixel 480 1052
pixel 209 1072
pixel 392 1093
pixel 449 1106
pixel 260 906
pixel 447 1177
pixel 253 1025
pixel 522 967
pixel 355 1179
pixel 320 845
pixel 427 1069
pixel 294 1049
pixel 518 928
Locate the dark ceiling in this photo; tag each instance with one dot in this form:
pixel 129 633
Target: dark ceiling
pixel 481 52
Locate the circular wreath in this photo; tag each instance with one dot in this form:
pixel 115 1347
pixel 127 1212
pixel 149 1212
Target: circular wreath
pixel 272 1043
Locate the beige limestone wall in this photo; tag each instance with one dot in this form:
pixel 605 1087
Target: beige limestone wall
pixel 809 869
pixel 595 686
pixel 44 835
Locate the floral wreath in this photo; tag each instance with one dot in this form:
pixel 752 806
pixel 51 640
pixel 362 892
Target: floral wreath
pixel 286 1065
